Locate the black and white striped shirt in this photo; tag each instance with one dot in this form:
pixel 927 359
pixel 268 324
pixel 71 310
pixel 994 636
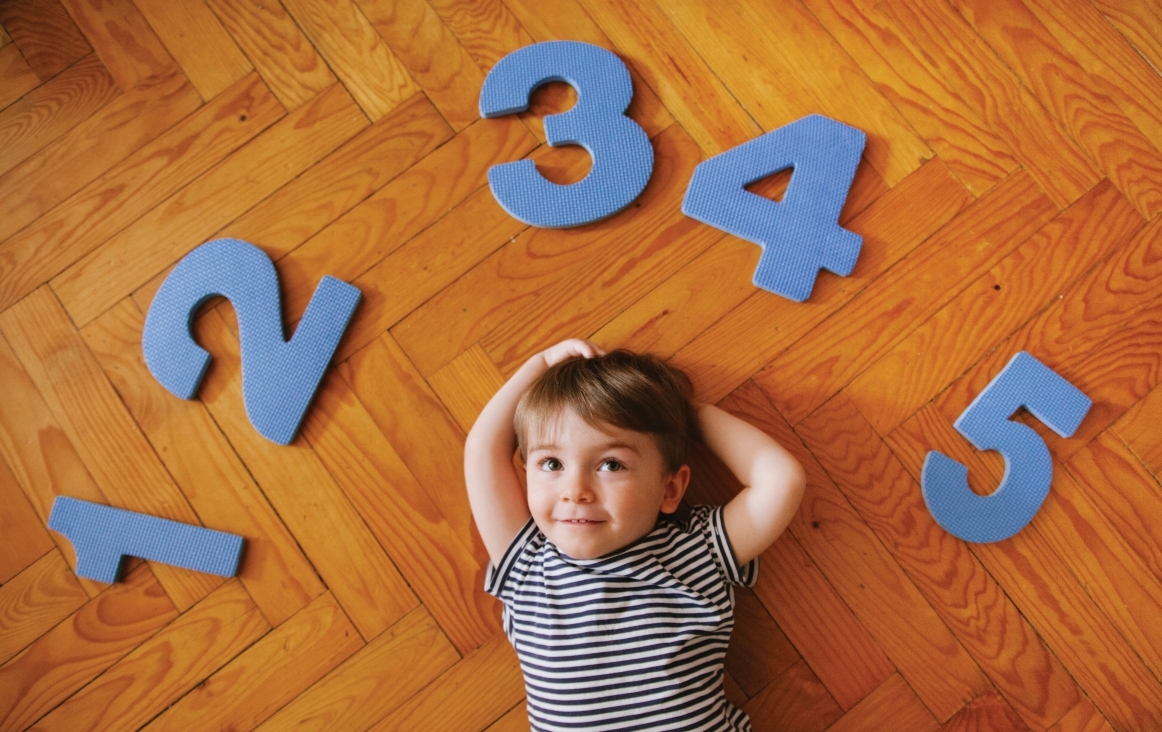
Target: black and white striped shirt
pixel 633 640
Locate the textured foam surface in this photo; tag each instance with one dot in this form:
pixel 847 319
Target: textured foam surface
pixel 1026 382
pixel 620 149
pixel 279 377
pixel 102 536
pixel 800 234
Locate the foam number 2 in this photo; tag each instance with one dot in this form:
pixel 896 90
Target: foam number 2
pixel 1026 382
pixel 279 377
pixel 621 152
pixel 800 234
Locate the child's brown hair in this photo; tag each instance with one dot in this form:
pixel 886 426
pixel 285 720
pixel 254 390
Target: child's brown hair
pixel 638 392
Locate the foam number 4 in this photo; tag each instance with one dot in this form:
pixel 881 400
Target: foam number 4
pixel 279 377
pixel 621 152
pixel 1026 382
pixel 800 234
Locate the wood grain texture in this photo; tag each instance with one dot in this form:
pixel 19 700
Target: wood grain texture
pixel 892 705
pixel 32 603
pixel 198 43
pixel 486 28
pixel 45 34
pixel 123 39
pixel 17 76
pixel 795 700
pixel 987 713
pixel 1141 429
pixel 1138 22
pixel 23 539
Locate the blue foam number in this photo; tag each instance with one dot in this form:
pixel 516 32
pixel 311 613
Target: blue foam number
pixel 279 377
pixel 621 152
pixel 1026 382
pixel 102 536
pixel 800 234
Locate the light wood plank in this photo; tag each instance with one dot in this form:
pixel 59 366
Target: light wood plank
pixel 269 674
pixel 131 188
pixel 1141 429
pixel 283 56
pixel 357 54
pixel 35 601
pixel 17 76
pixel 1138 21
pixel 45 34
pixel 53 109
pixel 23 538
pixel 486 28
pixel 123 39
pixel 198 43
pixel 70 655
pixel 1082 718
pixel 466 384
pixel 172 228
pixel 165 667
pixel 110 443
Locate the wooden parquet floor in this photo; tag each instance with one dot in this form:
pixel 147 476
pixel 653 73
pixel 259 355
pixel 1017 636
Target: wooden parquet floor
pixel 1009 199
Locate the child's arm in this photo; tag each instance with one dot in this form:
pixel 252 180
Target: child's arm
pixel 498 501
pixel 773 481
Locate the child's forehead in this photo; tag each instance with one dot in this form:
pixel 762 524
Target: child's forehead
pixel 564 426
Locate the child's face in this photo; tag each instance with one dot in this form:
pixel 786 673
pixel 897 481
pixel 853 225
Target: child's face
pixel 593 490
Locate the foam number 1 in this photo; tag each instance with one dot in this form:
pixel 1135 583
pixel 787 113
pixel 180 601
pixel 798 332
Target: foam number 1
pixel 279 377
pixel 800 234
pixel 621 152
pixel 1026 382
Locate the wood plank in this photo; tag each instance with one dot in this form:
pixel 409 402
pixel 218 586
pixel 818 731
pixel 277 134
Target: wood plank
pixel 469 696
pixel 5 39
pixel 719 360
pixel 118 456
pixel 35 601
pixel 1046 152
pixel 106 138
pixel 198 43
pixel 892 706
pixel 486 28
pixel 959 587
pixel 165 667
pixel 283 56
pixel 1141 429
pixel 987 713
pixel 903 74
pixel 675 72
pixel 1126 494
pixel 1138 21
pixel 1048 596
pixel 398 212
pixel 70 655
pixel 156 171
pixel 516 720
pixel 204 466
pixel 1105 55
pixel 356 53
pixel 1062 86
pixel 466 384
pixel 172 228
pixel 39 453
pixel 492 297
pixel 782 64
pixel 759 651
pixel 269 674
pixel 372 682
pixel 868 326
pixel 440 569
pixel 45 34
pixel 123 39
pixel 330 531
pixel 794 701
pixel 807 608
pixel 23 538
pixel 1082 718
pixel 994 306
pixel 432 55
pixel 423 434
pixel 17 76
pixel 53 109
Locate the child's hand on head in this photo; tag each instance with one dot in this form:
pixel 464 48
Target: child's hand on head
pixel 572 348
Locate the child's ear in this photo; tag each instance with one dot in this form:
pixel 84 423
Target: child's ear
pixel 675 488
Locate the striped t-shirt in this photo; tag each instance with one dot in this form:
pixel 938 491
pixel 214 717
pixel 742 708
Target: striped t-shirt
pixel 633 640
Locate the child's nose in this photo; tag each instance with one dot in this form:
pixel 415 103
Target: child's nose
pixel 577 490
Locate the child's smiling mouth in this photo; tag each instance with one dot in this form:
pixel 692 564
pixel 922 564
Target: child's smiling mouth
pixel 579 521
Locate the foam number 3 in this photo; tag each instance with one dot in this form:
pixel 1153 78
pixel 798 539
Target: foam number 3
pixel 621 152
pixel 1026 382
pixel 800 234
pixel 279 377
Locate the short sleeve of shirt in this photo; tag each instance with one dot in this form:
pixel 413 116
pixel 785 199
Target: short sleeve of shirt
pixel 709 520
pixel 495 575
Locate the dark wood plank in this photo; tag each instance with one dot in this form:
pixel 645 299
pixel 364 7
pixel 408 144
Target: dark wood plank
pixel 45 34
pixel 23 538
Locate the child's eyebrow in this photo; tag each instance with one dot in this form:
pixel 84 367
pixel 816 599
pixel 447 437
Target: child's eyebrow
pixel 552 446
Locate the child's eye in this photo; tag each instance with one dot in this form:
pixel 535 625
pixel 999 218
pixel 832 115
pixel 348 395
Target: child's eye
pixel 611 465
pixel 550 464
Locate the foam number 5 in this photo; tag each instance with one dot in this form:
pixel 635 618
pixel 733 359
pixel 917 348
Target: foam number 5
pixel 801 234
pixel 279 378
pixel 621 152
pixel 1026 382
